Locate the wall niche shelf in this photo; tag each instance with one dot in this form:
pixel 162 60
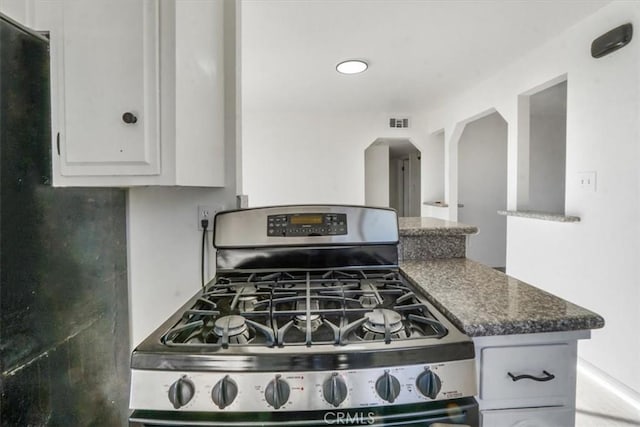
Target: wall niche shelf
pixel 545 216
pixel 440 204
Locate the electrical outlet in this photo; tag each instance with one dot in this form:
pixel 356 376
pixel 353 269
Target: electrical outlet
pixel 587 181
pixel 206 212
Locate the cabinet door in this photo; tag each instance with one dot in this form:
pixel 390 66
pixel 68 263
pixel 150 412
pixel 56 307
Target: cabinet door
pixel 109 67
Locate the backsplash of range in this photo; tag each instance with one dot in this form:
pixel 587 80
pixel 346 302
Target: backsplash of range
pixel 307 322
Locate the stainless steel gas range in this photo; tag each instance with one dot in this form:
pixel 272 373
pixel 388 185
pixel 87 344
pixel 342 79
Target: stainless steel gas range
pixel 308 322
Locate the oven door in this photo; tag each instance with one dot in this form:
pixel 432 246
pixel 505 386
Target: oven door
pixel 458 412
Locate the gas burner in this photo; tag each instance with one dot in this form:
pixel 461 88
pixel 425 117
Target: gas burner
pixel 301 319
pixel 247 302
pixel 368 300
pixel 382 322
pixel 370 297
pixel 247 298
pixel 234 327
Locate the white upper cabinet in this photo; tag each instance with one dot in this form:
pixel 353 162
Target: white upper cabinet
pixel 109 68
pixel 137 91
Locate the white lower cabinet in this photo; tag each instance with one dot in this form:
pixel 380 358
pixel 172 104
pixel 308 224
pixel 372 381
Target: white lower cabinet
pixel 536 417
pixel 527 380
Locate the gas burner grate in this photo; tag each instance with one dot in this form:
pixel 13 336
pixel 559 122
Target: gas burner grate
pixel 333 307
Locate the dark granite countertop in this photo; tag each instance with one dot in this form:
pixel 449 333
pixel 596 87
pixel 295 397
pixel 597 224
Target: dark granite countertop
pixel 482 301
pixel 422 226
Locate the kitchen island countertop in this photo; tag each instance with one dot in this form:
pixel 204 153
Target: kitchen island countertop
pixel 482 301
pixel 422 226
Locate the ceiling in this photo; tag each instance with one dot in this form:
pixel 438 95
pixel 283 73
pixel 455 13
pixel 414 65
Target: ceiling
pixel 419 52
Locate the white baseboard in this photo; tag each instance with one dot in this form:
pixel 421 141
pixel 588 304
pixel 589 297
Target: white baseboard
pixel 621 390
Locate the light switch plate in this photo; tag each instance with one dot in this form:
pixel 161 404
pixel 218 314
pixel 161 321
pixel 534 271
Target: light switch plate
pixel 587 181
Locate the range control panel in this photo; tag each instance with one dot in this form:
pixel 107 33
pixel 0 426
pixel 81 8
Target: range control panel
pixel 215 391
pixel 307 224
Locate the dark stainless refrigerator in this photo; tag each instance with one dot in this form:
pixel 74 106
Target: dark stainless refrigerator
pixel 64 336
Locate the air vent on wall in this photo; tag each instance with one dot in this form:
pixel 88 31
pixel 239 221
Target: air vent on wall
pixel 399 123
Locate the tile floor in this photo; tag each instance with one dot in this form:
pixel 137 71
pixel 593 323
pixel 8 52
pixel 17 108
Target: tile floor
pixel 598 407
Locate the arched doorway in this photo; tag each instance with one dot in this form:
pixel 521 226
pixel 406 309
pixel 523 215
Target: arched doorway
pixel 392 175
pixel 482 187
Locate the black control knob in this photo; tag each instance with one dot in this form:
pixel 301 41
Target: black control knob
pixel 277 392
pixel 388 387
pixel 334 390
pixel 129 118
pixel 429 383
pixel 224 392
pixel 181 392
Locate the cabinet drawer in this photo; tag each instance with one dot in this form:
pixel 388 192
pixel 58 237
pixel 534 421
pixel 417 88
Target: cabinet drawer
pixel 537 417
pixel 537 374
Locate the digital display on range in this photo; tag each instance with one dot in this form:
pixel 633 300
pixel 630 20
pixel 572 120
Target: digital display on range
pixel 307 225
pixel 306 219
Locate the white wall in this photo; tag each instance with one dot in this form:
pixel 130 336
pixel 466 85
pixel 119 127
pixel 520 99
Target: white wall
pixel 482 187
pixel 311 158
pixel 433 174
pixel 415 194
pixel 164 251
pixel 395 184
pixel 376 175
pixel 433 168
pixel 593 263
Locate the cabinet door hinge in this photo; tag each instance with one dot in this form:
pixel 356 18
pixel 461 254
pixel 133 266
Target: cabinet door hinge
pixel 58 143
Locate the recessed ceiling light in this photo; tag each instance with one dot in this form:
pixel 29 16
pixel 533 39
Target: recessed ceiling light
pixel 352 66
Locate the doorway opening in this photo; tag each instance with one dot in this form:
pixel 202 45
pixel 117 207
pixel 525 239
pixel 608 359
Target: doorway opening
pixel 542 147
pixel 392 175
pixel 482 187
pixel 433 168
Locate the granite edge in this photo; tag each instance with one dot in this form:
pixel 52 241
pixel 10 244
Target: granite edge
pixel 570 323
pixel 588 320
pixel 430 226
pixel 545 216
pixel 413 232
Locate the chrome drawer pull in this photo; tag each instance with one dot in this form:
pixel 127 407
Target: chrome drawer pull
pixel 547 377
